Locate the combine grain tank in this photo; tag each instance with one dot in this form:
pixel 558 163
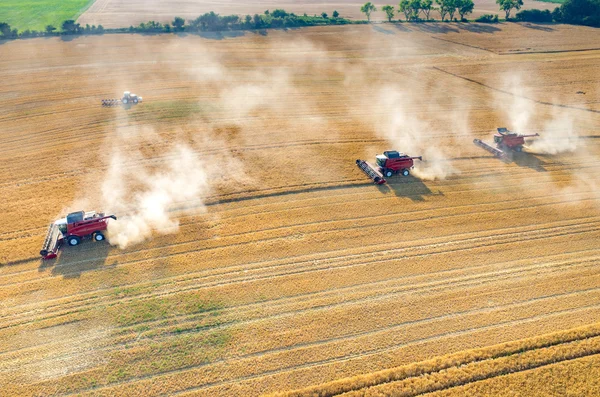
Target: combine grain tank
pixel 389 163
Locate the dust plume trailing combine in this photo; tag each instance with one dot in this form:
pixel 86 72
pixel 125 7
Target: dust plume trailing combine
pixel 557 134
pixel 146 196
pixel 410 134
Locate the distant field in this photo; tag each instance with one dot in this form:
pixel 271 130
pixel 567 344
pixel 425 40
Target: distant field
pixel 552 1
pixel 37 14
pixel 119 13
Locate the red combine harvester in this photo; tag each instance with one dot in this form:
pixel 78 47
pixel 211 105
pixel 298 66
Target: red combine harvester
pixel 72 229
pixel 388 164
pixel 506 142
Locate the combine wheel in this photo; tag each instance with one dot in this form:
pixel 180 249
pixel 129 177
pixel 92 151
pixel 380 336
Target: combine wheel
pixel 519 149
pixel 388 173
pixel 405 172
pixel 135 101
pixel 125 101
pixel 98 236
pixel 73 240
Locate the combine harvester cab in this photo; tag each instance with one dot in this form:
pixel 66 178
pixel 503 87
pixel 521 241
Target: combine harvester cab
pixel 72 229
pixel 392 163
pixel 388 164
pixel 506 143
pixel 128 99
pixel 507 140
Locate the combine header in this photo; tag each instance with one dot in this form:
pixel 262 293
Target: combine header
pixel 128 99
pixel 72 229
pixel 388 164
pixel 506 142
pixel 371 172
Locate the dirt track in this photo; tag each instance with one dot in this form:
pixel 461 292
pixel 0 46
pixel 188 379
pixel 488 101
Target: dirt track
pixel 298 271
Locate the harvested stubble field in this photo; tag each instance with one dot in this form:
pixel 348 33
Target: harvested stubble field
pixel 288 269
pixel 119 13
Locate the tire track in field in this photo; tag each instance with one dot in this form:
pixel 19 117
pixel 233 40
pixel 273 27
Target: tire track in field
pixel 178 287
pixel 311 267
pixel 325 189
pixel 587 224
pixel 515 95
pixel 118 342
pixel 327 362
pixel 383 290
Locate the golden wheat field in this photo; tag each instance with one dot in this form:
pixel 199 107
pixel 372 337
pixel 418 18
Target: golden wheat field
pixel 251 256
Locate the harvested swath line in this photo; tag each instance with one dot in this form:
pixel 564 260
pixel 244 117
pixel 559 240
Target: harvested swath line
pixel 155 379
pixel 447 362
pixel 514 271
pixel 493 237
pixel 203 366
pixel 402 249
pixel 137 339
pixel 427 287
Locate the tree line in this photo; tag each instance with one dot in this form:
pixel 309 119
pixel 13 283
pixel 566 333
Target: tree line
pixel 208 22
pixel 578 12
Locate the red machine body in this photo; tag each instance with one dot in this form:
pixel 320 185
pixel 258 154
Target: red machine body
pixel 74 228
pixel 388 164
pixel 393 162
pixel 506 139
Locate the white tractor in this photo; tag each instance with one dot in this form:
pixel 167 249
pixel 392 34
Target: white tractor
pixel 127 100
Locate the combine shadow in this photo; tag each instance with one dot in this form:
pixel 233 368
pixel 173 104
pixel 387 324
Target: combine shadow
pixel 407 187
pixel 478 28
pixel 379 29
pixel 73 261
pixel 542 27
pixel 528 160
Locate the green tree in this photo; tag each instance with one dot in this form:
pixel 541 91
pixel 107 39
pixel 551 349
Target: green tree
pixel 50 29
pixel 335 14
pixel 324 15
pixel 443 9
pixel 5 29
pixel 70 27
pixel 427 7
pixel 404 7
pixel 415 9
pixel 178 24
pixel 508 5
pixel 451 8
pixel 367 9
pixel 389 11
pixel 464 7
pixel 580 12
pixel 279 13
